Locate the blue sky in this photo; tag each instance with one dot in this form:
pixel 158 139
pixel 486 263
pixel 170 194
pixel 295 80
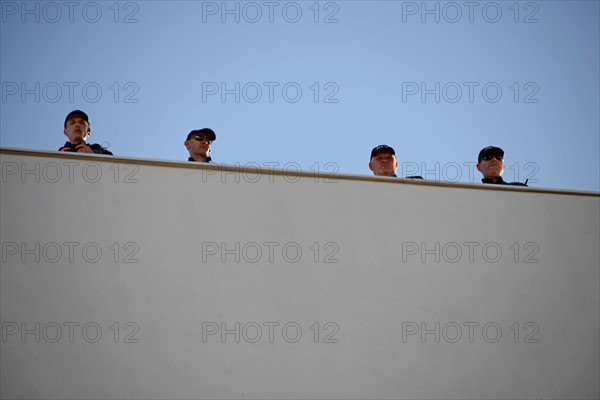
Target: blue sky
pixel 315 85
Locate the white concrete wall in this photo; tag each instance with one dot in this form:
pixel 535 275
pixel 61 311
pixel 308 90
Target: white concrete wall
pixel 401 289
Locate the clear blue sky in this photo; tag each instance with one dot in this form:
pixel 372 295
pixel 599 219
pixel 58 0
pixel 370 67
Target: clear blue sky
pixel 309 83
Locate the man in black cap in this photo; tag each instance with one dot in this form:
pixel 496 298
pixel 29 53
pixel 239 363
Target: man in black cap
pixel 77 130
pixel 490 163
pixel 199 144
pixel 383 162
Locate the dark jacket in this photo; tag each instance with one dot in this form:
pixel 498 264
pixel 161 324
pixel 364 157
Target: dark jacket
pixel 411 177
pixel 96 148
pixel 208 159
pixel 500 181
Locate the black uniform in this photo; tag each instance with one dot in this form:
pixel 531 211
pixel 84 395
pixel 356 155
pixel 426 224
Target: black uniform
pixel 208 159
pixel 500 181
pixel 411 177
pixel 96 148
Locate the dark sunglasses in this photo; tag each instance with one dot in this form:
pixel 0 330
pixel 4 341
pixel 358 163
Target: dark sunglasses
pixel 202 139
pixel 488 157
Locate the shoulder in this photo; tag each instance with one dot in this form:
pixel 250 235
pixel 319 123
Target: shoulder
pixel 64 145
pixel 99 149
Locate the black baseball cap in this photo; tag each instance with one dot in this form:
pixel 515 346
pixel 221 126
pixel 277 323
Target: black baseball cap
pixel 490 150
pixel 77 113
pixel 380 148
pixel 207 131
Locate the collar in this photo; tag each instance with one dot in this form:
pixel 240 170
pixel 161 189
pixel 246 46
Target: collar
pixel 499 181
pixel 69 144
pixel 208 159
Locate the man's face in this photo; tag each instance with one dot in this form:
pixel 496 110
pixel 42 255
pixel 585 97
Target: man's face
pixel 199 145
pixel 77 130
pixel 493 167
pixel 384 163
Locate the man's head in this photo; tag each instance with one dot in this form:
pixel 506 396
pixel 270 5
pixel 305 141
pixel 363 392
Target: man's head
pixel 383 161
pixel 490 162
pixel 77 127
pixel 199 143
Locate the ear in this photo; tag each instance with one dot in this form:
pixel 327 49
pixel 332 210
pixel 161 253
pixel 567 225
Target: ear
pixel 187 144
pixel 65 132
pixel 371 166
pixel 478 168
